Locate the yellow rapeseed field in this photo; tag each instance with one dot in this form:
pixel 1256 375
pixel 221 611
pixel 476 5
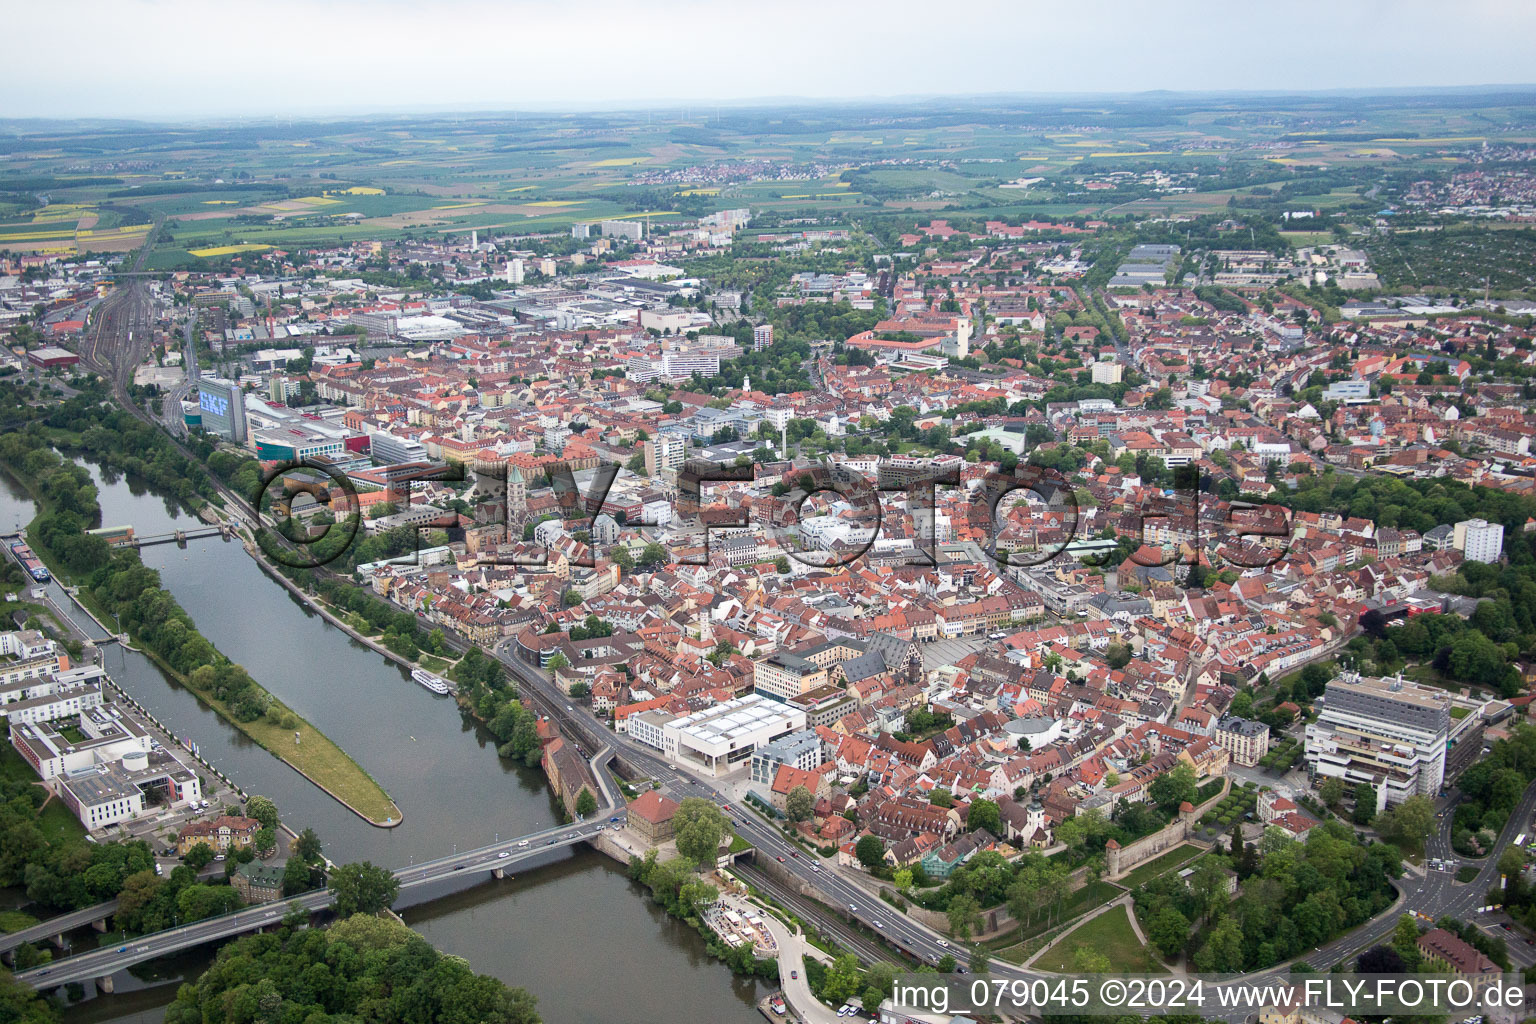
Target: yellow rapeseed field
pixel 228 250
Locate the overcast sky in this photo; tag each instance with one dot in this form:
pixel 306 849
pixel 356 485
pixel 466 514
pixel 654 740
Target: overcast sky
pixel 173 58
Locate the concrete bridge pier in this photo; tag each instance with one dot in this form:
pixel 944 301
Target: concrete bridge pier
pixel 498 873
pixel 104 984
pixel 57 940
pixel 100 925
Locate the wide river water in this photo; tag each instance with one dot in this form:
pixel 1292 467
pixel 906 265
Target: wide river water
pixel 574 931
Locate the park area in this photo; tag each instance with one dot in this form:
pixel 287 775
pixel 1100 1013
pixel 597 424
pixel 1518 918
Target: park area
pixel 1111 937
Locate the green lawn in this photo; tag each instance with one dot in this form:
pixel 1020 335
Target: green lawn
pixel 57 822
pixel 1110 934
pixel 1078 903
pixel 1163 862
pixel 15 921
pixel 13 768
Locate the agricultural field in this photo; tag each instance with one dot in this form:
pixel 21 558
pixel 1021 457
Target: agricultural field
pixel 296 184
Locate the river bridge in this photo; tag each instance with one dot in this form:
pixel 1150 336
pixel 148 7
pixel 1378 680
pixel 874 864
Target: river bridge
pixel 100 964
pixel 223 530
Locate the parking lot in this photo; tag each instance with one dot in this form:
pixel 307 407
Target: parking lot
pixel 940 653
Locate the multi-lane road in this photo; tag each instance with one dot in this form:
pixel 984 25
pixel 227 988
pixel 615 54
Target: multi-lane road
pixel 498 856
pixel 1435 895
pixel 121 335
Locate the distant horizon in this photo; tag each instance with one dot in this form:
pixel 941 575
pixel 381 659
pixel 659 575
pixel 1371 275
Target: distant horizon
pixel 700 109
pixel 171 60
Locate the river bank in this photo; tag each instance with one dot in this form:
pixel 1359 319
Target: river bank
pixel 431 757
pixel 283 733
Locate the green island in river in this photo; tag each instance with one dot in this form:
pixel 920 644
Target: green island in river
pixel 114 584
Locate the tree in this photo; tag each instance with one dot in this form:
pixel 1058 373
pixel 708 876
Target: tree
pixel 1087 960
pixel 799 804
pixel 1174 787
pixel 263 810
pixel 964 915
pixel 1208 885
pixel 198 857
pixel 307 846
pixel 869 850
pixel 363 888
pixel 1405 937
pixel 1242 704
pixel 265 843
pixel 1168 931
pixel 984 814
pixel 1331 792
pixel 1511 862
pixel 842 979
pixel 586 803
pixel 1409 823
pixel 980 962
pixel 295 877
pixel 699 826
pixel 1380 960
pixel 941 798
pixel 1223 950
pixel 946 964
pixel 1365 803
pixel 362 968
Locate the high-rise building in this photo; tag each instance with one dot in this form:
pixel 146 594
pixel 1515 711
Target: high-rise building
pixel 1386 733
pixel 664 451
pixel 581 230
pixel 762 337
pixel 223 408
pixel 630 229
pixel 782 675
pixel 1478 540
pixel 389 450
pixel 514 271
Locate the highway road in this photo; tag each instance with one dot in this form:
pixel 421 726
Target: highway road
pixel 1437 895
pixel 58 925
pixel 110 348
pixel 498 856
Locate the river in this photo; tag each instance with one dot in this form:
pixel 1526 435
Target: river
pixel 576 932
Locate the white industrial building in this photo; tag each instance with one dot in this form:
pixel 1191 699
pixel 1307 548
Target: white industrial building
pixel 1384 732
pixel 719 739
pixel 111 775
pixel 44 698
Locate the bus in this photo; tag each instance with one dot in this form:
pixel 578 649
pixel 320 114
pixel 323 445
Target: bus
pixel 1520 839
